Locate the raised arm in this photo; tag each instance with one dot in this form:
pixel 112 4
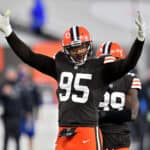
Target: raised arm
pixel 40 62
pixel 120 67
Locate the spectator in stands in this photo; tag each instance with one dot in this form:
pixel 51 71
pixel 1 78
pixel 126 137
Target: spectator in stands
pixel 11 98
pixel 32 103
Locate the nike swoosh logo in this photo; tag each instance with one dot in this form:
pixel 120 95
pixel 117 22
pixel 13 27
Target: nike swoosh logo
pixel 85 141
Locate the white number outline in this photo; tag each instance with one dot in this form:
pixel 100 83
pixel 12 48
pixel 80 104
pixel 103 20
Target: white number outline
pixel 76 84
pixel 110 99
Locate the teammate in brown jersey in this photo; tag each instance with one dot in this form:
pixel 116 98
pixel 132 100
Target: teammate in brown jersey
pixel 82 81
pixel 120 103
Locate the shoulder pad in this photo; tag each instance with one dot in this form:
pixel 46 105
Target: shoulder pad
pixel 135 81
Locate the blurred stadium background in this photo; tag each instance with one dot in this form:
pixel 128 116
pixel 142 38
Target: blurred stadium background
pixel 106 20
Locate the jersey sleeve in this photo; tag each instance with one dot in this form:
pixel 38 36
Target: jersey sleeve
pixel 115 70
pixel 135 82
pixel 40 62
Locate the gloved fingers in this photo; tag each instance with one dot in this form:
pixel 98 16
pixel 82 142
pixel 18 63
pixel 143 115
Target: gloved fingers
pixel 139 21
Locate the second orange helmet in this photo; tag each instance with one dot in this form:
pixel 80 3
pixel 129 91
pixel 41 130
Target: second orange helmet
pixel 111 48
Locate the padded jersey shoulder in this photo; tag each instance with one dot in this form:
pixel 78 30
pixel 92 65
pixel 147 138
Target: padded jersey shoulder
pixel 135 81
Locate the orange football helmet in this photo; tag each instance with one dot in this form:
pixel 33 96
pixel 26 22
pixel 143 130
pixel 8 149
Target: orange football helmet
pixel 111 48
pixel 77 44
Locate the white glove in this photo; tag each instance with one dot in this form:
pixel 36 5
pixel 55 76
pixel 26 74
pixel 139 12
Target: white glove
pixel 5 26
pixel 140 25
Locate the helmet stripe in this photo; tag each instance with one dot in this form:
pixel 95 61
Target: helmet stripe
pixel 107 47
pixel 77 30
pixel 75 33
pixel 103 48
pixel 71 33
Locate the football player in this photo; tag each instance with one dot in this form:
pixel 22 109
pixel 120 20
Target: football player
pixel 120 103
pixel 81 81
